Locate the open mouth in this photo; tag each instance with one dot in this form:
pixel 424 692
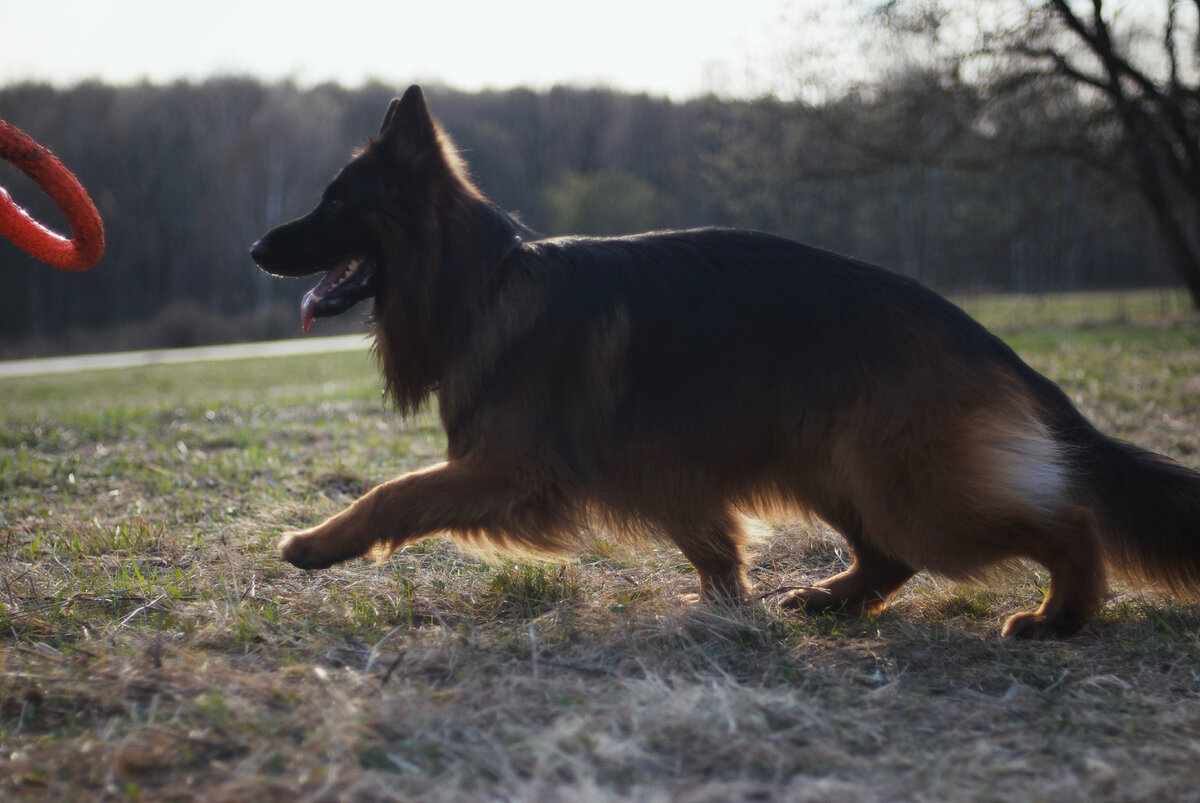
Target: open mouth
pixel 347 283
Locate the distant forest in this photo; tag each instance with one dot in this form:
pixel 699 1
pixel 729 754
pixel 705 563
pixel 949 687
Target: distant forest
pixel 187 175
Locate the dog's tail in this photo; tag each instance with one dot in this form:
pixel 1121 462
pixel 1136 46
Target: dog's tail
pixel 1147 509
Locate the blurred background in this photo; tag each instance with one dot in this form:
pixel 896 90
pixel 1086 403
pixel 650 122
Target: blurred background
pixel 1004 146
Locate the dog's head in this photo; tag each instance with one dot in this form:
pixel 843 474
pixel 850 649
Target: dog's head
pixel 385 189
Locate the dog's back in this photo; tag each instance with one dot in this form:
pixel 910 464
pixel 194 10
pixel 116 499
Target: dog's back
pixel 714 343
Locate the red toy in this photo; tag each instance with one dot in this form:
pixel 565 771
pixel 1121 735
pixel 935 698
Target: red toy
pixel 86 245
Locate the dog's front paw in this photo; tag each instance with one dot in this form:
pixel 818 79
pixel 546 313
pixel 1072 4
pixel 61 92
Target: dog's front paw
pixel 303 552
pixel 811 599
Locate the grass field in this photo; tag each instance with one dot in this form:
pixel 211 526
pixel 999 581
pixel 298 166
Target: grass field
pixel 152 646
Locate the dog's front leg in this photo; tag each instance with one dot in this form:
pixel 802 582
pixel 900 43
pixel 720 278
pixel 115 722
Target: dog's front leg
pixel 482 498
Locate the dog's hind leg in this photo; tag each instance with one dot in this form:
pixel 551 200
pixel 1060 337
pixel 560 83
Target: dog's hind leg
pixel 1078 582
pixel 504 502
pixel 864 588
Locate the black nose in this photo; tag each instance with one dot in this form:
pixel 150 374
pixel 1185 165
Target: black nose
pixel 258 252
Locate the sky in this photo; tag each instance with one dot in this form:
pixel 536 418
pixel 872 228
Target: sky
pixel 677 48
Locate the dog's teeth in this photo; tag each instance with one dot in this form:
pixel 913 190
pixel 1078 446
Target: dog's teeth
pixel 350 271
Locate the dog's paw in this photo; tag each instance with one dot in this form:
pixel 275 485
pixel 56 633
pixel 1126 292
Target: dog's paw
pixel 811 599
pixel 1031 625
pixel 301 551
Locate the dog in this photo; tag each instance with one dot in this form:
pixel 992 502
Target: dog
pixel 671 384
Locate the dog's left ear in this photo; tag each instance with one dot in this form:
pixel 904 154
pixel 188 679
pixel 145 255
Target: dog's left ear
pixel 408 118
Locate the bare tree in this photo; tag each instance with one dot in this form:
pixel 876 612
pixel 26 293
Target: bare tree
pixel 1117 85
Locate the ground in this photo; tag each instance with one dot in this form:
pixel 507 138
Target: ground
pixel 152 645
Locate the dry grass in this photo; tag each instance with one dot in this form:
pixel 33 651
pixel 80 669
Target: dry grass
pixel 152 646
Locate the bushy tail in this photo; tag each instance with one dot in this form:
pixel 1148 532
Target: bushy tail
pixel 1147 508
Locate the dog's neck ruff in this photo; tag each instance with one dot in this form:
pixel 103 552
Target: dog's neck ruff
pixel 517 240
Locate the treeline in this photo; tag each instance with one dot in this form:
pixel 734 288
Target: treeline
pixel 186 176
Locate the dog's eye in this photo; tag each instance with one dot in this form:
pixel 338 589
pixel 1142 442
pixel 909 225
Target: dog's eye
pixel 335 205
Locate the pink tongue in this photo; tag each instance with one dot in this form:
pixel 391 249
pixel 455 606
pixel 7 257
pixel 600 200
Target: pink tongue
pixel 314 296
pixel 306 310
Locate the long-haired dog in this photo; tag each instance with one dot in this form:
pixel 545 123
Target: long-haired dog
pixel 666 384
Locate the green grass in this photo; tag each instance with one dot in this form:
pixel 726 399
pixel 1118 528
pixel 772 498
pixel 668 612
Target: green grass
pixel 153 647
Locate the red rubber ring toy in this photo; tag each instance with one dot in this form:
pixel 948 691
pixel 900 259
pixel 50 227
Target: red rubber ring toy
pixel 86 245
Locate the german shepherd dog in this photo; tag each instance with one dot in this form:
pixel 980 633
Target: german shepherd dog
pixel 668 384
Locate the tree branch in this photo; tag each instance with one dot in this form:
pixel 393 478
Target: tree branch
pixel 1062 66
pixel 1183 145
pixel 1169 44
pixel 1196 52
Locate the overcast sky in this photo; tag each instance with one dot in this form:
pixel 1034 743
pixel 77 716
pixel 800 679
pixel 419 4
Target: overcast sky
pixel 675 48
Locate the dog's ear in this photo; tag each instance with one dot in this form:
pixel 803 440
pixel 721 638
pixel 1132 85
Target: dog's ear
pixel 408 118
pixel 388 116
